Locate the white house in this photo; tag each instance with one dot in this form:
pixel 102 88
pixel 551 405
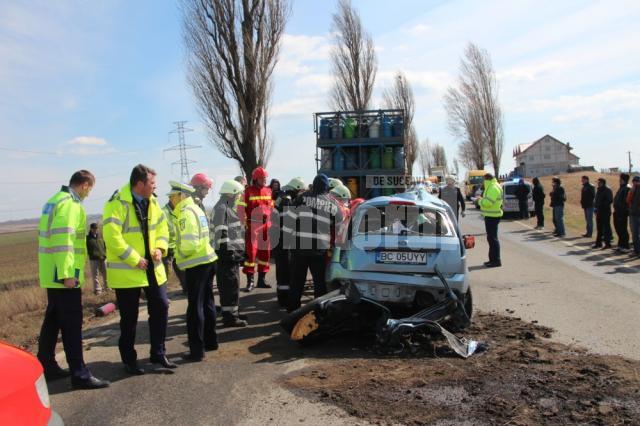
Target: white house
pixel 546 156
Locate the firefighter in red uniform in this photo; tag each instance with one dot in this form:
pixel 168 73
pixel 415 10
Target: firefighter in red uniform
pixel 255 212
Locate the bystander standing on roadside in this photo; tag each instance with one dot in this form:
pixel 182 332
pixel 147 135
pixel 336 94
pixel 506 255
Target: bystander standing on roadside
pixel 538 201
pixel 522 194
pixel 602 204
pixel 97 253
pixel 558 198
pixel 621 214
pixel 633 201
pixel 452 195
pixel 587 197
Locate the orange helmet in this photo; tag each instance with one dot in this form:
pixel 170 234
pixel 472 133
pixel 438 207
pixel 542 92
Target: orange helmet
pixel 258 173
pixel 201 180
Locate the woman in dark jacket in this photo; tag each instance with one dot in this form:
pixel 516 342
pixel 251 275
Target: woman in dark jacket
pixel 538 200
pixel 558 198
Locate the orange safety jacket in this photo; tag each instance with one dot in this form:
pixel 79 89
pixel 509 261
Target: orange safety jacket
pixel 256 206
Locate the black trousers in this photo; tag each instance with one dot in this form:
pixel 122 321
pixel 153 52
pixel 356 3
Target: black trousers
pixel 621 223
pixel 63 314
pixel 603 226
pixel 158 309
pixel 491 226
pixel 301 263
pixel 540 214
pixel 523 206
pixel 283 270
pixel 228 278
pixel 201 309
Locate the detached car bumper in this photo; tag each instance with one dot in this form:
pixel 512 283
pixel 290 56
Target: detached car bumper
pixel 394 287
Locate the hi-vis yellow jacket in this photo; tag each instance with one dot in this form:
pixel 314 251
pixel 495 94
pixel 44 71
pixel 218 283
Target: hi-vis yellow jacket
pixel 491 201
pixel 62 246
pixel 192 236
pixel 124 241
pixel 171 225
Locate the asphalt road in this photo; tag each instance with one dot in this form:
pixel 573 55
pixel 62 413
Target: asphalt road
pixel 591 300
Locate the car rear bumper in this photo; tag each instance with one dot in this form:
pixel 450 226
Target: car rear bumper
pixel 397 288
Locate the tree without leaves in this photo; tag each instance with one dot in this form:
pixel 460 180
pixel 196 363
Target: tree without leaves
pixel 232 48
pixel 456 167
pixel 438 156
pixel 474 113
pixel 424 157
pixel 353 61
pixel 401 97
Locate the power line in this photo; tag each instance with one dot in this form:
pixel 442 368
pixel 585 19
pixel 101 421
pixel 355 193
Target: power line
pixel 30 151
pixel 182 147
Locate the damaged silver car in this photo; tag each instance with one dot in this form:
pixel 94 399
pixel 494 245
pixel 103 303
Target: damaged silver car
pixel 395 245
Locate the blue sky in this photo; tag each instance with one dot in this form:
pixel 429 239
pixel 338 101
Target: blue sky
pixel 97 85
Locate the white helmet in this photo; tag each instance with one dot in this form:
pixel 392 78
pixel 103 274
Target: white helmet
pixel 333 183
pixel 295 184
pixel 341 192
pixel 231 187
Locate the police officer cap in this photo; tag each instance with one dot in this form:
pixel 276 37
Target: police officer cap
pixel 180 188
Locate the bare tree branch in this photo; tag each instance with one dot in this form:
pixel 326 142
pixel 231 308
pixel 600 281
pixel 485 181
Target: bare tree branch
pixel 353 61
pixel 232 48
pixel 474 113
pixel 424 157
pixel 400 96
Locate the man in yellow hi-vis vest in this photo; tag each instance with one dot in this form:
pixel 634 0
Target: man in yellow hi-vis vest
pixel 61 260
pixel 196 257
pixel 491 208
pixel 137 237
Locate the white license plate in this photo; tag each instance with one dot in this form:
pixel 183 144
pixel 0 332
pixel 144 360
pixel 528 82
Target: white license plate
pixel 402 257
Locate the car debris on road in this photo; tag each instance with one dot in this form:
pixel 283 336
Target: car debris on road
pixel 347 310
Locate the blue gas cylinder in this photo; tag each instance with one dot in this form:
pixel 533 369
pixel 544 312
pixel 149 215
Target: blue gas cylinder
pixel 325 129
pixel 398 157
pixel 386 126
pixel 338 160
pixel 397 127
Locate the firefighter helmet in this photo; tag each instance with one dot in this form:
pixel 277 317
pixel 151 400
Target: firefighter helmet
pixel 259 173
pixel 341 192
pixel 334 182
pixel 231 187
pixel 201 180
pixel 295 184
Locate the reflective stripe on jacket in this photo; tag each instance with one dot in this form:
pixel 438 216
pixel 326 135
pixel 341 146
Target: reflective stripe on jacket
pixel 62 247
pixel 226 230
pixel 171 225
pixel 192 236
pixel 491 201
pixel 124 240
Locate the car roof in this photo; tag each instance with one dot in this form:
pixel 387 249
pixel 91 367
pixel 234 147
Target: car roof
pixel 419 195
pixel 514 182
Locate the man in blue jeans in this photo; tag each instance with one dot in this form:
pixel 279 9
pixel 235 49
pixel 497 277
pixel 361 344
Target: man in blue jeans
pixel 587 197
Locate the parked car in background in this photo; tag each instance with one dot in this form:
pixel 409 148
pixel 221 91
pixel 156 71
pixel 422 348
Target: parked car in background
pixel 395 244
pixel 24 395
pixel 510 204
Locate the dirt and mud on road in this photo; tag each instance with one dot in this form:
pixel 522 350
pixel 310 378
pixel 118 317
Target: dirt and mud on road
pixel 523 378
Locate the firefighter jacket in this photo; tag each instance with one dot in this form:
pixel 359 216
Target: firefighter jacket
pixel 491 201
pixel 171 225
pixel 192 236
pixel 309 223
pixel 125 236
pixel 256 206
pixel 61 240
pixel 276 236
pixel 227 231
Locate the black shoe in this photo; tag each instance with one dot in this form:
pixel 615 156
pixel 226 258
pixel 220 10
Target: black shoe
pixel 234 322
pixel 596 245
pixel 249 286
pixel 261 281
pixel 586 235
pixel 163 361
pixel 56 373
pixel 211 347
pixel 190 358
pixel 487 263
pixel 89 383
pixel 495 264
pixel 134 369
pixel 243 317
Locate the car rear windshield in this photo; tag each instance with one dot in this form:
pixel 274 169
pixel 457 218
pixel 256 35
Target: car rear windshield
pixel 511 189
pixel 403 220
pixel 475 180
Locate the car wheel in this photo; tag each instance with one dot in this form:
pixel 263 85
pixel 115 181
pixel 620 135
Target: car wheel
pixel 468 303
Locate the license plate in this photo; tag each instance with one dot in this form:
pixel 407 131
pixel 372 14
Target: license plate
pixel 402 257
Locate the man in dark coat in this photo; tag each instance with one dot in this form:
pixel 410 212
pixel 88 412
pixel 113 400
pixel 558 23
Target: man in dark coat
pixel 621 214
pixel 602 204
pixel 558 198
pixel 538 201
pixel 587 196
pixel 522 194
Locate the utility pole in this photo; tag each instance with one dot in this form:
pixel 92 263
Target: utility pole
pixel 630 165
pixel 182 147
